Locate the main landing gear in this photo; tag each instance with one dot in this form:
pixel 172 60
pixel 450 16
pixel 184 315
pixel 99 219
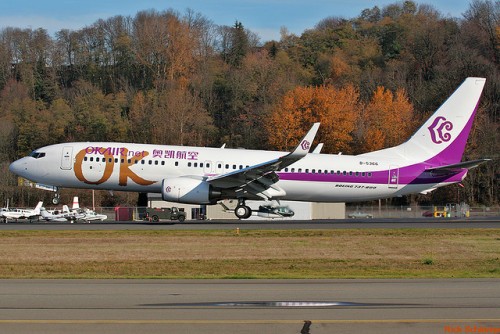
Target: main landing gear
pixel 242 211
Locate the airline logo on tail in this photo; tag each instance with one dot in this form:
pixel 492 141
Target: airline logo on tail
pixel 306 145
pixel 440 130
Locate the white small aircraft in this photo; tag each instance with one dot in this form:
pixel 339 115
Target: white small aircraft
pixel 71 215
pixel 88 215
pixel 431 158
pixel 15 214
pixel 267 210
pixel 91 215
pixel 62 215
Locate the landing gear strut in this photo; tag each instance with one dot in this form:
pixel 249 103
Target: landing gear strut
pixel 242 211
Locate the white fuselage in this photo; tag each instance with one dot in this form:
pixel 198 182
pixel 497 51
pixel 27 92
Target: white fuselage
pixel 143 167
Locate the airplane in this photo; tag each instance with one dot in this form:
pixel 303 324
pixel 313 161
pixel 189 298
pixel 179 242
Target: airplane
pixel 71 215
pixel 88 215
pixel 16 214
pixel 268 210
pixel 62 215
pixel 429 159
pixel 91 215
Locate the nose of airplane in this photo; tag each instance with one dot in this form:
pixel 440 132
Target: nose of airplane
pixel 19 167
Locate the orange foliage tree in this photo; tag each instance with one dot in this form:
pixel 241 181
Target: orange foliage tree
pixel 387 120
pixel 336 109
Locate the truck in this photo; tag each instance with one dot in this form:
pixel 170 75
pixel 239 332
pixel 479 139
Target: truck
pixel 157 214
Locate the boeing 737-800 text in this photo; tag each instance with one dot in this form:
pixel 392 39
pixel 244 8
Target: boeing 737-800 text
pixel 431 158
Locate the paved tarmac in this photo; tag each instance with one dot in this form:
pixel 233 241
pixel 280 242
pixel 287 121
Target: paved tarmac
pixel 277 224
pixel 250 306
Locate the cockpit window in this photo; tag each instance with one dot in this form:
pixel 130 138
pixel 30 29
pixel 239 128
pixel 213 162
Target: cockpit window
pixel 37 155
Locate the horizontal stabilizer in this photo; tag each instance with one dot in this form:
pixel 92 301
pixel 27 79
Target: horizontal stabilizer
pixel 459 166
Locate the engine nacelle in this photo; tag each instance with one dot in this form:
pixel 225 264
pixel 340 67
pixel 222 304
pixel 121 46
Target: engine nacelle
pixel 188 190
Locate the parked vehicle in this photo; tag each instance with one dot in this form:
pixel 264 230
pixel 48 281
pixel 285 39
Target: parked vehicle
pixel 359 214
pixel 157 214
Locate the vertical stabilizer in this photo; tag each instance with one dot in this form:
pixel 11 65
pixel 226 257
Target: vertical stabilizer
pixel 76 205
pixel 36 211
pixel 442 138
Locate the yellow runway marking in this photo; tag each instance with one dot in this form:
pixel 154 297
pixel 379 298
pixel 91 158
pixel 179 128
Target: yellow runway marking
pixel 270 321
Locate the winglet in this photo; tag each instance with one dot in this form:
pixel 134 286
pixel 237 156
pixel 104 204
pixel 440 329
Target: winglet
pixel 305 144
pixel 318 148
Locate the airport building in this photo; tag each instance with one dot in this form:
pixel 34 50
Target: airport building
pixel 302 210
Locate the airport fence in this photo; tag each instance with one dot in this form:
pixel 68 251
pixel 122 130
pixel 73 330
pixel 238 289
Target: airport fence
pixel 449 210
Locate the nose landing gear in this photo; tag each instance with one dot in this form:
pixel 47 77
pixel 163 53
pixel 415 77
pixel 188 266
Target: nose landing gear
pixel 56 199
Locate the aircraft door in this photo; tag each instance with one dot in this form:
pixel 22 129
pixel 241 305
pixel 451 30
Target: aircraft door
pixel 393 181
pixel 67 158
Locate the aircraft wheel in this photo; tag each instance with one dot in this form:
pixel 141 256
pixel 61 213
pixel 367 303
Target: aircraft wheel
pixel 55 200
pixel 243 212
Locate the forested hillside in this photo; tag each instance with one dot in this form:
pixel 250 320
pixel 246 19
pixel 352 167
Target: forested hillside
pixel 178 78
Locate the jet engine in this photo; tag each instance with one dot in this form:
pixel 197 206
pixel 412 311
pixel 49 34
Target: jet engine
pixel 188 190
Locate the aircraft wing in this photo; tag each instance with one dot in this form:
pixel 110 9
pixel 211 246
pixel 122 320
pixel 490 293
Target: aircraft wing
pixel 258 178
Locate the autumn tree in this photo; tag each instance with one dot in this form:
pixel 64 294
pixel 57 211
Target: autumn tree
pixel 336 109
pixel 387 120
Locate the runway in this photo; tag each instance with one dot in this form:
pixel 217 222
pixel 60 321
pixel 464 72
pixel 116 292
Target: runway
pixel 250 306
pixel 277 224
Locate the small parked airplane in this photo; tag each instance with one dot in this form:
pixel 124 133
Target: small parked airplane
pixel 63 215
pixel 16 214
pixel 71 215
pixel 431 158
pixel 267 210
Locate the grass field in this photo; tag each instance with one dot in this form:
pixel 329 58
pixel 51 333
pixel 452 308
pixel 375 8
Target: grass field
pixel 360 253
